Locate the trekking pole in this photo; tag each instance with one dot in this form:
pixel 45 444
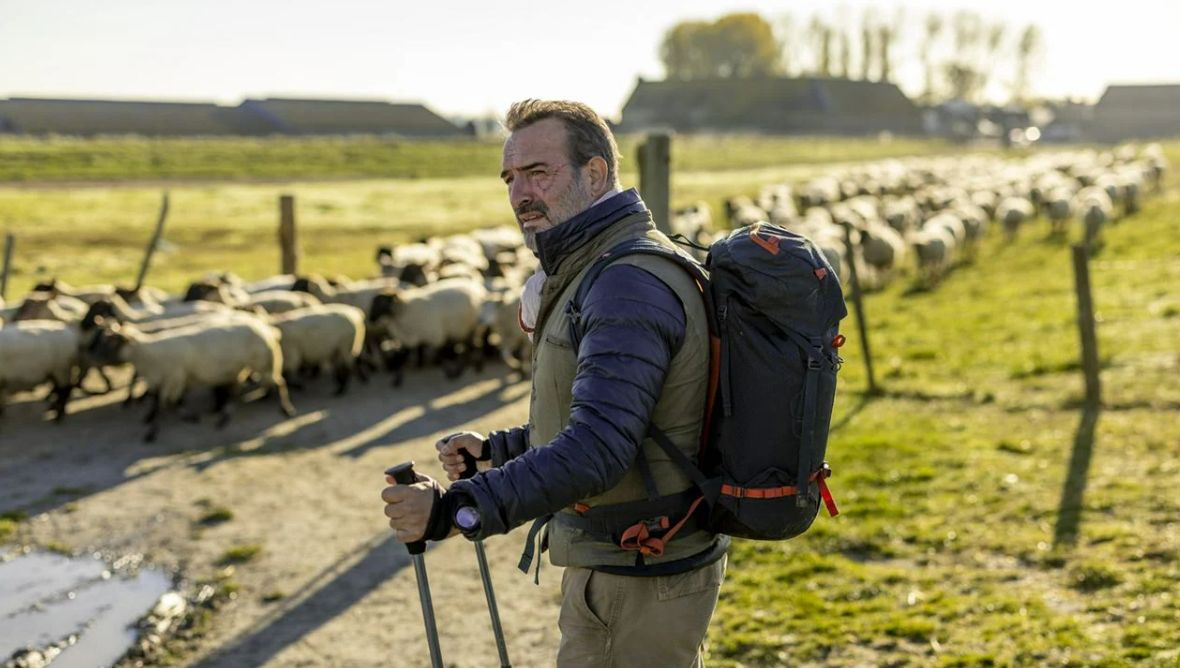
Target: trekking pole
pixel 486 575
pixel 403 474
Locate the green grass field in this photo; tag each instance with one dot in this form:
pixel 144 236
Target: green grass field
pixel 957 544
pixel 233 158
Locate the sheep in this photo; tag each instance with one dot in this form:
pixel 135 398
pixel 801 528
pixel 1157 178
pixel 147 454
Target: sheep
pixel 1059 208
pixel 441 316
pixel 115 308
pixel 281 301
pixel 323 334
pixel 217 292
pixel 33 352
pixel 1095 209
pixel 500 315
pixel 41 305
pixel 934 248
pixel 88 294
pixel 882 247
pixel 220 354
pixel 497 240
pixel 359 293
pixel 1013 212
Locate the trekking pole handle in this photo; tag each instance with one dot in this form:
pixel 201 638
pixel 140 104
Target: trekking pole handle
pixel 469 461
pixel 469 466
pixel 403 474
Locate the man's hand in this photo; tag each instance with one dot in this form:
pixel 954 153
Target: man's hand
pixel 452 459
pixel 408 506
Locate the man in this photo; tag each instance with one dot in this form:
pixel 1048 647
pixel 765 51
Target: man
pixel 585 457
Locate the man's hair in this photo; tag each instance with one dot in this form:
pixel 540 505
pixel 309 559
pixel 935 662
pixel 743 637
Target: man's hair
pixel 587 132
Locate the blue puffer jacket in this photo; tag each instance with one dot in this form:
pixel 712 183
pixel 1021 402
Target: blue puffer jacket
pixel 633 324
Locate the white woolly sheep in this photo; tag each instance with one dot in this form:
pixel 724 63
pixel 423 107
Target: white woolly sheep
pixel 500 315
pixel 220 355
pixel 442 316
pixel 934 248
pixel 1014 212
pixel 319 335
pixel 282 301
pixel 33 352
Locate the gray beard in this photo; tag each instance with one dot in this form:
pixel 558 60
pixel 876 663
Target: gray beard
pixel 560 213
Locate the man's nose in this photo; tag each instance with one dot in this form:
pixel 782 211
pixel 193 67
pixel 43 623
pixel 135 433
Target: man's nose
pixel 519 193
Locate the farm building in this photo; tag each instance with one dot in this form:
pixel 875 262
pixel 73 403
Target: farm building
pixel 252 117
pixel 771 105
pixel 1137 112
pixel 109 117
pixel 336 117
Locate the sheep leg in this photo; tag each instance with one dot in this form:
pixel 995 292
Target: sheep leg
pixel 451 361
pixel 221 396
pixel 342 372
pixel 61 395
pixel 154 408
pixel 477 353
pixel 361 373
pixel 153 418
pixel 131 398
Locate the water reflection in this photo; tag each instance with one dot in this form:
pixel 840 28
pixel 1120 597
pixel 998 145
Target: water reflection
pixel 83 606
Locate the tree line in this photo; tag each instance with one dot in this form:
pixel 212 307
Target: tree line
pixel 961 54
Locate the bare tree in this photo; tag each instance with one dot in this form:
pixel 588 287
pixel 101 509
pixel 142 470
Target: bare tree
pixel 887 34
pixel 868 36
pixel 845 41
pixel 934 25
pixel 788 38
pixel 1028 50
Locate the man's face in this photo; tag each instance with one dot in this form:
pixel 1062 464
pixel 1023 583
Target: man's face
pixel 544 188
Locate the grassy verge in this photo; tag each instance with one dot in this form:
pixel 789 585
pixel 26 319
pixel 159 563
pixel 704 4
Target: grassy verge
pixel 987 520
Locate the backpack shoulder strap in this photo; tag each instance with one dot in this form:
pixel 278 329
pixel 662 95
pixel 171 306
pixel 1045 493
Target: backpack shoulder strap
pixel 641 246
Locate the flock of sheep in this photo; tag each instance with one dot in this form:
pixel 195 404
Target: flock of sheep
pixel 930 213
pixel 454 300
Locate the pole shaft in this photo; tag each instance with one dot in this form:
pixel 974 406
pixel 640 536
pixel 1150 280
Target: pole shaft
pixel 427 610
pixel 493 609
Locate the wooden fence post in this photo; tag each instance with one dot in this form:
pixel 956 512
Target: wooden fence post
pixel 9 241
pixel 1089 338
pixel 151 247
pixel 288 243
pixel 655 158
pixel 858 306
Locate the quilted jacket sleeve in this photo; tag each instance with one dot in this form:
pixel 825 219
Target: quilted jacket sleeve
pixel 633 325
pixel 507 444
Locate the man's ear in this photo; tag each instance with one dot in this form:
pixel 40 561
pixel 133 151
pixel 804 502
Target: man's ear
pixel 597 170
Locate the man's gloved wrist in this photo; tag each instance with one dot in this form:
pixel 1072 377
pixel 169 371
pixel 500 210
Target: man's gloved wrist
pixel 442 515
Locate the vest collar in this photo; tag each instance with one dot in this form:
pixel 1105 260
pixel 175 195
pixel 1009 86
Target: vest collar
pixel 557 243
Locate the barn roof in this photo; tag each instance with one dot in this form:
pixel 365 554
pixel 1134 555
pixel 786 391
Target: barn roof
pixel 311 117
pixel 773 105
pixel 1137 111
pixel 94 117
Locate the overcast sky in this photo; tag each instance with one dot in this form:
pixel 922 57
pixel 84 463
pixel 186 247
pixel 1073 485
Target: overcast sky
pixel 469 58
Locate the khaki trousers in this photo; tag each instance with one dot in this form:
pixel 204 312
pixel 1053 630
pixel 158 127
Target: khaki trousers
pixel 615 621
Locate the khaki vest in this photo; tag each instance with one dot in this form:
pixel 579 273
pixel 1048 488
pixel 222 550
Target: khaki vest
pixel 678 412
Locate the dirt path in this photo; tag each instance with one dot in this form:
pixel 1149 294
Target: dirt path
pixel 307 491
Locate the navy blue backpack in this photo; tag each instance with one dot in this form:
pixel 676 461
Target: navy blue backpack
pixel 774 306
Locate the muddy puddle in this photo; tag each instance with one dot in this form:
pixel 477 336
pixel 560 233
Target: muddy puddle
pixel 73 612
